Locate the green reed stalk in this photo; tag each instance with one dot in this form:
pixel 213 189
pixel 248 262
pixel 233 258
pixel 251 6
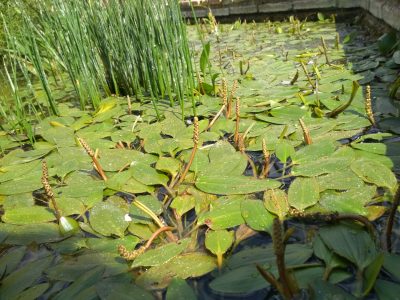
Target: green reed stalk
pixel 130 47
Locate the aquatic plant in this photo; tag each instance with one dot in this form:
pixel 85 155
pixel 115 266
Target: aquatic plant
pixel 181 200
pixel 105 48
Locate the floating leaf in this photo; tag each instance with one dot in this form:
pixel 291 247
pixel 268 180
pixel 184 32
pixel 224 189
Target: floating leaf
pixel 182 204
pixel 10 260
pixel 341 180
pixel 138 215
pixel 116 159
pixel 372 272
pixel 284 150
pixel 147 175
pixel 160 255
pixel 26 234
pixel 374 172
pixel 83 282
pixel 256 215
pixel 33 292
pixel 108 219
pixel 303 193
pixel 28 215
pixel 70 269
pixel 120 288
pixel 180 289
pixel 276 201
pixel 387 289
pixel 169 164
pixel 352 243
pixel 218 242
pixel 321 166
pixel 351 201
pixel 183 266
pixel 24 277
pixel 230 185
pixel 225 214
pixel 28 183
pixel 239 282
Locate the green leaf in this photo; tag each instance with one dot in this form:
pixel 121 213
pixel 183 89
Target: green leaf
pixel 387 289
pixel 10 260
pixel 225 213
pixel 160 255
pixel 107 219
pixel 24 277
pixel 374 172
pixel 295 254
pixel 180 289
pixel 372 272
pixel 116 159
pixel 341 180
pixel 111 245
pixel 139 216
pixel 352 243
pixel 352 201
pixel 230 185
pixel 28 183
pixel 331 259
pixel 70 269
pixel 183 266
pixel 33 292
pixel 284 150
pixel 314 151
pixel 147 175
pixel 276 201
pixel 26 234
pixel 121 288
pixel 303 193
pixel 204 58
pixel 183 204
pixel 28 215
pixel 169 164
pixel 256 215
pixel 240 277
pixel 219 241
pixel 392 264
pixel 239 282
pixel 324 290
pixel 387 41
pixel 322 166
pixel 84 281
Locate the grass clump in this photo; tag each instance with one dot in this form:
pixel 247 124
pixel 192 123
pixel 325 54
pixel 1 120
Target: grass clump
pixel 136 48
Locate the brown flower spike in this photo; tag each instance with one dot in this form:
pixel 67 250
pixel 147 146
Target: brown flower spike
pixel 368 105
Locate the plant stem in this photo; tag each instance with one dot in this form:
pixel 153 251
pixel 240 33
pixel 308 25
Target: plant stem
pixel 390 220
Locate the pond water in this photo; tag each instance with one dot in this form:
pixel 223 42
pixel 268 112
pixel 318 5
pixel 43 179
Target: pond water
pixel 279 153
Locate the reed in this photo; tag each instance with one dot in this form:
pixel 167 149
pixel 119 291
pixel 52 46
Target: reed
pixel 136 48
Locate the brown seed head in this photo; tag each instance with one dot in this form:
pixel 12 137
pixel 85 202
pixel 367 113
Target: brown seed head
pixel 224 91
pixel 277 237
pixel 306 132
pixel 234 88
pixel 196 131
pixel 265 150
pixel 130 255
pixel 237 107
pixel 368 105
pixel 85 146
pixel 45 181
pixel 241 145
